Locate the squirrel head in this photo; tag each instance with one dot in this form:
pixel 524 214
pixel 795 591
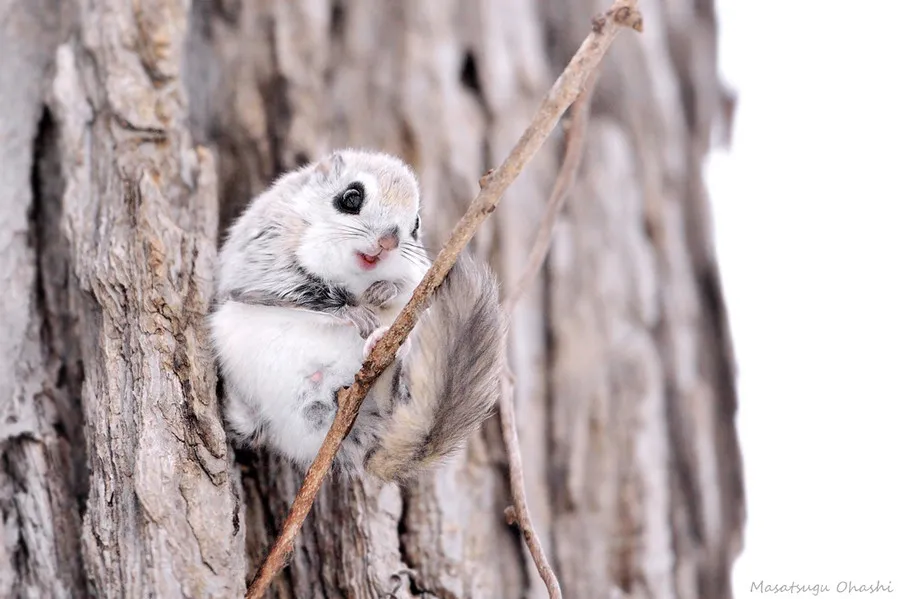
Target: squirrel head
pixel 361 218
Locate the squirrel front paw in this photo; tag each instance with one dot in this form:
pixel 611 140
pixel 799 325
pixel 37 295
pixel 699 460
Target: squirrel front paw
pixel 362 317
pixel 376 336
pixel 380 292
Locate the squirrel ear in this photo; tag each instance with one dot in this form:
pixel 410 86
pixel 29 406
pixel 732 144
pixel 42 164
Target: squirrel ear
pixel 331 165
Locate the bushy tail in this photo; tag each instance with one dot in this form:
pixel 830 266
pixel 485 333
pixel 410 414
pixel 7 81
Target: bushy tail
pixel 452 375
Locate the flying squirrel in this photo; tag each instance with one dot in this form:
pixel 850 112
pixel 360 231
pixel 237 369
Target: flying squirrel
pixel 309 277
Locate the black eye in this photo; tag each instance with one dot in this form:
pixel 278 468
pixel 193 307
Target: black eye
pixel 415 230
pixel 350 200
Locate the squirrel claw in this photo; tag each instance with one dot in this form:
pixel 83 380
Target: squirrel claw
pixel 376 336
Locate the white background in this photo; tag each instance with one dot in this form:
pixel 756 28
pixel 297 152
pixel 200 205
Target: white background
pixel 807 215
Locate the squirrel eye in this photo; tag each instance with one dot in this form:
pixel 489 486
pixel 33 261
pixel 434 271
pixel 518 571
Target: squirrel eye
pixel 352 198
pixel 415 230
pixel 350 201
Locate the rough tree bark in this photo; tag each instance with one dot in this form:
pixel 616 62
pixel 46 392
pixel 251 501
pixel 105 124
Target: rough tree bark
pixel 116 480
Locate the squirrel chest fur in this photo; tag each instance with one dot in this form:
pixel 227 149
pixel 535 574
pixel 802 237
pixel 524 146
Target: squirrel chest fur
pixel 309 278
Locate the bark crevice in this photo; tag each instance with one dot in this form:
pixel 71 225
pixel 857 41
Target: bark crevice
pixel 116 477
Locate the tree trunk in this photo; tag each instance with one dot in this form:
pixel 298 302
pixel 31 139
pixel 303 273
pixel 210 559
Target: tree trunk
pixel 132 133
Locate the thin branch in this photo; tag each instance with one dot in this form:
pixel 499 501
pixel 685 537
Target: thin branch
pixel 577 127
pixel 571 161
pixel 621 14
pixel 564 91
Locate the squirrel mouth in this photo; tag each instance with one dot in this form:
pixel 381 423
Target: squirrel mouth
pixel 368 261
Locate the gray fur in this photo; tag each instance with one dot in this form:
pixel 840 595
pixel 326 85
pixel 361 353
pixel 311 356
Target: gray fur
pixel 320 414
pixel 287 252
pixel 451 379
pixel 380 293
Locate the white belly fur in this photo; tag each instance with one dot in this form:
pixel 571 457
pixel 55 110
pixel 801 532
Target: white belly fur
pixel 268 356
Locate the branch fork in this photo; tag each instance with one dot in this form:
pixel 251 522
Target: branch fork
pixel 573 84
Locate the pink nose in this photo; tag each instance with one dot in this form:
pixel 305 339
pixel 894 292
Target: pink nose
pixel 388 242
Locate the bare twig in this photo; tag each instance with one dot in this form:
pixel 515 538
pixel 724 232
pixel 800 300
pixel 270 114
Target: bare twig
pixel 519 513
pixel 621 14
pixel 577 127
pixel 564 91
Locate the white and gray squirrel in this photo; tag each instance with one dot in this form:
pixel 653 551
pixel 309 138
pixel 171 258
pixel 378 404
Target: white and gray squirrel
pixel 309 277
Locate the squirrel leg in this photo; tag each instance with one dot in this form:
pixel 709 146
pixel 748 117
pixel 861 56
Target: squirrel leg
pixel 380 293
pixel 362 317
pixel 389 385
